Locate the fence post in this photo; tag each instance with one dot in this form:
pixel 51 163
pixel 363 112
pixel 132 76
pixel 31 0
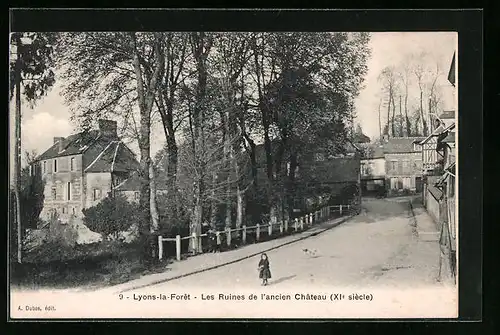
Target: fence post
pixel 281 227
pixel 194 240
pixel 217 235
pixel 310 219
pixel 302 223
pixel 160 248
pixel 340 210
pixel 244 237
pixel 296 224
pixel 270 228
pixel 228 238
pixel 286 225
pixel 178 247
pixel 257 232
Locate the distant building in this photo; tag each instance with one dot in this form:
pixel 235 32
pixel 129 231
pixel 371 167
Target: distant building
pixel 395 165
pixel 403 158
pixel 82 169
pixel 373 172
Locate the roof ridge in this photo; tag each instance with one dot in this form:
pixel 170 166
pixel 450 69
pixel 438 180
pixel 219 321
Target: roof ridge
pixel 123 182
pixel 114 156
pixel 99 156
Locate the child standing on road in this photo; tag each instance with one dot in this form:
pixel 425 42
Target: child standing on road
pixel 264 271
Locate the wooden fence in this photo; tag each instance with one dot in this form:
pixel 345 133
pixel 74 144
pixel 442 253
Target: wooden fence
pixel 296 225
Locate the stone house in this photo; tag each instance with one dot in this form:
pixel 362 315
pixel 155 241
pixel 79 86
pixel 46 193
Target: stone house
pixel 82 169
pixel 403 159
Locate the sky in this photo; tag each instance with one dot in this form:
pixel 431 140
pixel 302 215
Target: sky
pixel 51 118
pixel 391 49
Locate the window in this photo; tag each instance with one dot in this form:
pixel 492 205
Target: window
pixel 96 194
pixel 400 167
pixel 55 165
pixel 394 183
pixel 44 167
pixel 73 210
pixel 64 210
pixel 54 192
pixel 394 165
pixel 72 164
pixel 406 166
pixel 406 183
pixel 68 191
pixel 136 195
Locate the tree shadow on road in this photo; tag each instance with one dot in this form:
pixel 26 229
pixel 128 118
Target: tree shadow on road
pixel 282 279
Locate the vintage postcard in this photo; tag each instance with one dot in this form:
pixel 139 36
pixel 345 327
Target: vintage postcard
pixel 233 175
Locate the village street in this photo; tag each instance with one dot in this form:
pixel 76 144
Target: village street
pixel 378 247
pixel 377 252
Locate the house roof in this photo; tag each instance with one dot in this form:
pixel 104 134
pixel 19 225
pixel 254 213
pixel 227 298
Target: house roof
pixel 450 127
pixel 72 145
pixel 401 145
pixel 371 151
pixel 100 153
pixel 133 183
pixel 447 115
pixel 451 72
pixel 115 157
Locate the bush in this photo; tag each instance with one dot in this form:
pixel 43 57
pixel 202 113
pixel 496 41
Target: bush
pixel 61 233
pixel 111 216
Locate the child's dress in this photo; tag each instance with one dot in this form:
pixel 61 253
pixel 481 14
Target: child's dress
pixel 264 271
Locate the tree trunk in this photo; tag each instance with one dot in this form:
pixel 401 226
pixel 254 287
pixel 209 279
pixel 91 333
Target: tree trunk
pixel 214 204
pixel 431 125
pixel 146 93
pixel 200 49
pixel 407 120
pixel 17 151
pixel 401 131
pixel 393 126
pixel 155 218
pixel 388 115
pixel 424 123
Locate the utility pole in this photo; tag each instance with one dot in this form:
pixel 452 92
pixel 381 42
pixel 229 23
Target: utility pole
pixel 17 148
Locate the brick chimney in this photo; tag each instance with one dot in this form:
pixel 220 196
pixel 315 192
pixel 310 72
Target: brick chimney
pixel 60 141
pixel 108 128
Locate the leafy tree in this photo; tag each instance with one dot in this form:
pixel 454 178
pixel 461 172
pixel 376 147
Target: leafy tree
pixel 111 216
pixel 30 77
pixel 359 136
pixel 36 64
